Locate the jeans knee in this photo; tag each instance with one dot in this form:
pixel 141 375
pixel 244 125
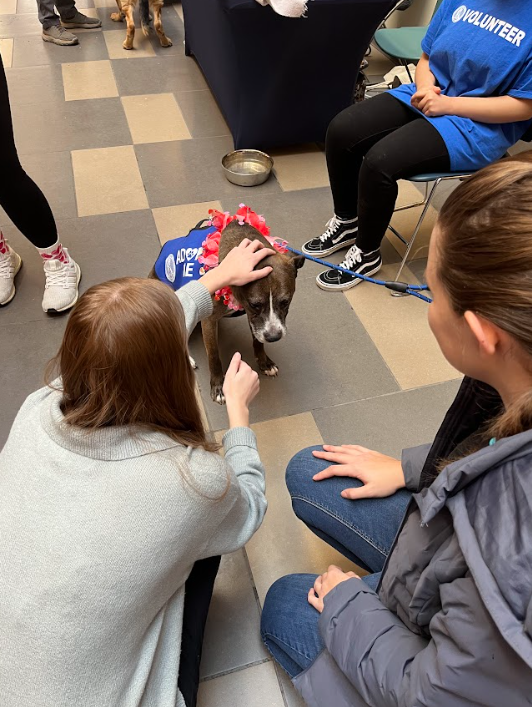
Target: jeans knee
pixel 301 469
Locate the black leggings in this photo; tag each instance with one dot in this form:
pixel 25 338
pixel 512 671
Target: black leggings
pixel 20 197
pixel 371 145
pixel 198 593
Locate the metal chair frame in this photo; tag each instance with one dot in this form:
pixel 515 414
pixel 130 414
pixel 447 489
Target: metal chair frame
pixel 426 202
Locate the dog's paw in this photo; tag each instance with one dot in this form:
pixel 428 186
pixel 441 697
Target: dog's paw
pixel 192 362
pixel 166 42
pixel 117 17
pixel 127 44
pixel 267 367
pixel 217 394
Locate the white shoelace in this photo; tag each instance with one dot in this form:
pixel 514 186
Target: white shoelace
pixel 332 226
pixel 59 277
pixel 6 266
pixel 352 258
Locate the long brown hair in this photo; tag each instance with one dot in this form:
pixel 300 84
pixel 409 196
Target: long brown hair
pixel 485 261
pixel 124 361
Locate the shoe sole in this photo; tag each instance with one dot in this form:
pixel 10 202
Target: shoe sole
pixel 14 290
pixel 330 251
pixel 52 40
pixel 71 304
pixel 73 25
pixel 347 286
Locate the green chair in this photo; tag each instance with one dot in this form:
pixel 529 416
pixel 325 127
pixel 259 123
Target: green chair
pixel 403 43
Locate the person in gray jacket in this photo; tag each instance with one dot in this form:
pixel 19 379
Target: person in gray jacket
pixel 445 617
pixel 115 506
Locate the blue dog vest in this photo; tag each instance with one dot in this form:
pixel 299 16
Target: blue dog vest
pixel 178 261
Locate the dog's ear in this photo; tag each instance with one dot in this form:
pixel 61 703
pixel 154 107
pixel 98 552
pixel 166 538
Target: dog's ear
pixel 298 261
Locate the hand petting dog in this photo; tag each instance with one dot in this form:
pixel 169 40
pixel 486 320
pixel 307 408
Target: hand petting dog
pixel 238 267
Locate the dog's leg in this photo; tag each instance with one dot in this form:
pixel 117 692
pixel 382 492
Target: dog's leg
pixel 130 32
pixel 157 6
pixel 209 329
pixel 118 16
pixel 266 366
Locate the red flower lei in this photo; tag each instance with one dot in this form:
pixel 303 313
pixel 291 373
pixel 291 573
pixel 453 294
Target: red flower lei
pixel 211 245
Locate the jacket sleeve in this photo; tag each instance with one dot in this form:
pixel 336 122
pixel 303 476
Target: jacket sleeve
pixel 466 662
pixel 244 504
pixel 196 302
pixel 412 461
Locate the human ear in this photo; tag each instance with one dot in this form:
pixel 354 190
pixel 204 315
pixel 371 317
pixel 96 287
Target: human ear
pixel 486 333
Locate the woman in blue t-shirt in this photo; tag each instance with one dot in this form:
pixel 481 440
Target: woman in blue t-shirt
pixel 471 101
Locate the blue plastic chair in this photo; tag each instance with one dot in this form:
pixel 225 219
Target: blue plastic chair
pixel 402 43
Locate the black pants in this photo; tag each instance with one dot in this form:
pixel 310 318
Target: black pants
pixel 371 145
pixel 198 593
pixel 20 197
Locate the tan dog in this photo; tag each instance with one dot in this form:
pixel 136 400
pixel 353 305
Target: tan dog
pixel 125 10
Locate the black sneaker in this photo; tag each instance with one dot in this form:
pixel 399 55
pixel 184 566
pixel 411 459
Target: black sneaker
pixel 364 263
pixel 339 234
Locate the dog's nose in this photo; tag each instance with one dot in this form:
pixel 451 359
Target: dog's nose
pixel 270 338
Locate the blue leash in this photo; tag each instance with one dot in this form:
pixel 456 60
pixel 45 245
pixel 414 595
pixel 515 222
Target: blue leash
pixel 401 287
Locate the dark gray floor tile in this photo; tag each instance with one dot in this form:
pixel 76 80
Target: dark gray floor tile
pixel 75 125
pixel 201 113
pixel 161 75
pixel 232 634
pixel 388 423
pixel 33 85
pixel 112 245
pixel 52 172
pixel 32 51
pixel 25 349
pixel 189 171
pixel 325 338
pixel 298 216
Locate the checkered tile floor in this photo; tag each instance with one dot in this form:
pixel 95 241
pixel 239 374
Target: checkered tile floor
pixel 127 147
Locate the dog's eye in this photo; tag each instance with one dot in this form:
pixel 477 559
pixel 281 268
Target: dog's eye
pixel 284 303
pixel 255 306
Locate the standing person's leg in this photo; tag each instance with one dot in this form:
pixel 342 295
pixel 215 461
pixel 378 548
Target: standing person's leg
pixel 362 530
pixel 52 29
pixel 55 28
pixel 27 207
pixel 198 594
pixel 72 18
pixel 349 137
pixel 414 148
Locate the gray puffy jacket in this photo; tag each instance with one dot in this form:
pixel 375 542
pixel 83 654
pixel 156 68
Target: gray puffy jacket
pixel 451 623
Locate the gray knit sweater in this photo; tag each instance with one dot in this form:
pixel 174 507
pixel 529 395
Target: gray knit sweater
pixel 98 533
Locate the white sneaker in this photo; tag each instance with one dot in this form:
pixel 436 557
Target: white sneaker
pixel 10 264
pixel 61 288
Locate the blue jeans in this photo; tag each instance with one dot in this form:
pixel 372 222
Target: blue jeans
pixel 362 530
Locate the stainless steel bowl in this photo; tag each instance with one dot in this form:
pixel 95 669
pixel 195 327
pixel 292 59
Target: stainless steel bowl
pixel 247 168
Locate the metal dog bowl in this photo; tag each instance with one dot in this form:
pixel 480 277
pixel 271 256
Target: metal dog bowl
pixel 247 168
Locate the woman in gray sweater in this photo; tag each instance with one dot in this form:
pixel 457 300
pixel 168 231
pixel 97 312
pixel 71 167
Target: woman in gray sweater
pixel 115 506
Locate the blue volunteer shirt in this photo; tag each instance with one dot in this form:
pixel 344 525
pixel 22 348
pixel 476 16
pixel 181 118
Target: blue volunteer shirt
pixel 178 262
pixel 479 49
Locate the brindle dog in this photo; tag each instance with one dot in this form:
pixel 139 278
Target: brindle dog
pixel 266 303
